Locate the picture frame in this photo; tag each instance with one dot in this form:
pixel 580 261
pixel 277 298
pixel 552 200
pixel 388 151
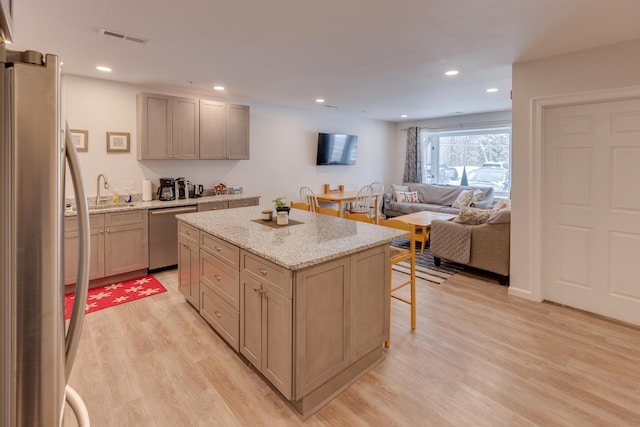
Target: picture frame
pixel 80 139
pixel 118 142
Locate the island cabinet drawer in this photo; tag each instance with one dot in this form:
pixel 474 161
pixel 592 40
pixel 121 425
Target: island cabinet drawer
pixel 220 315
pixel 276 277
pixel 188 232
pixel 220 277
pixel 220 249
pixel 126 218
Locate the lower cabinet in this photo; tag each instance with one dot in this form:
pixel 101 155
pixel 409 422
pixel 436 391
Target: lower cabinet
pixel 189 263
pixel 118 240
pixel 309 332
pixel 266 328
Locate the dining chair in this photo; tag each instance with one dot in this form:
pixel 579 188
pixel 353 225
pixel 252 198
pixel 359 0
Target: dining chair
pixel 300 205
pixel 309 197
pixel 363 202
pixel 328 211
pixel 398 255
pixel 359 217
pixel 378 188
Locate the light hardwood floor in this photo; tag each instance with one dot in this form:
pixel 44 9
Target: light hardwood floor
pixel 478 357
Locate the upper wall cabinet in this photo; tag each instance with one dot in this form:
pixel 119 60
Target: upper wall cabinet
pixel 168 127
pixel 224 131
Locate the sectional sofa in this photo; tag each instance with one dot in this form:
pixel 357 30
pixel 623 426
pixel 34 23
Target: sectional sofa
pixel 431 197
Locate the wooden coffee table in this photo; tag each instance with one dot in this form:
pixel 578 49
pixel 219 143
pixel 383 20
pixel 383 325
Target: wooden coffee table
pixel 422 221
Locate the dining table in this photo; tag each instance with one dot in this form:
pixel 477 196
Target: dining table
pixel 344 197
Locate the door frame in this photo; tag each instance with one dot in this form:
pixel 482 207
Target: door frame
pixel 538 108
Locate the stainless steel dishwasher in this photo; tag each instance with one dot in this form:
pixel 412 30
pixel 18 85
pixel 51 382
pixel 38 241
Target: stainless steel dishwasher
pixel 163 236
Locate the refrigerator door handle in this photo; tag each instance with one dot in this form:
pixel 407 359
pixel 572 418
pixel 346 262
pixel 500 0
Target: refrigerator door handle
pixel 82 281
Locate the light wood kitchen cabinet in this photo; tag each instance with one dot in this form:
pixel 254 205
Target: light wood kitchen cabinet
pixel 213 206
pixel 266 320
pixel 168 127
pixel 119 244
pixel 219 287
pixel 126 242
pixel 254 201
pixel 224 131
pixel 189 263
pixel 71 248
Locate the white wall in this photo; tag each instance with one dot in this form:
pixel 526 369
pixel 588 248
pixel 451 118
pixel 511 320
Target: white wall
pixel 282 145
pixel 610 67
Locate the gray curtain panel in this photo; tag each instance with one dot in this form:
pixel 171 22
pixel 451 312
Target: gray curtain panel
pixel 412 166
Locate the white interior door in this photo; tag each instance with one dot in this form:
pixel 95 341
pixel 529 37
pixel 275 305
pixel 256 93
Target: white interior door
pixel 591 208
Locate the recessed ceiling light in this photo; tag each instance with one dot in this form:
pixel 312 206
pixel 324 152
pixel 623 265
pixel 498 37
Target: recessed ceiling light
pixel 103 68
pixel 404 116
pixel 492 89
pixel 452 73
pixel 320 100
pixel 218 87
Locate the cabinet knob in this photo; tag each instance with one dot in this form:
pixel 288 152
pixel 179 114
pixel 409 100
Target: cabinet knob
pixel 108 231
pixel 188 233
pixel 218 248
pixel 218 314
pixel 262 271
pixel 218 277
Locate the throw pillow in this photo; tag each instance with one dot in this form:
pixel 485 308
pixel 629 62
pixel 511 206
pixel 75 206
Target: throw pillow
pixel 463 200
pixel 395 188
pixel 472 216
pixel 503 216
pixel 407 196
pixel 502 204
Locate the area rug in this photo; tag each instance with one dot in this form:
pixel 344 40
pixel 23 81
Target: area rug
pixel 425 267
pixel 118 293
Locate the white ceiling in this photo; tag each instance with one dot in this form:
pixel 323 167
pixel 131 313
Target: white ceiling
pixel 372 58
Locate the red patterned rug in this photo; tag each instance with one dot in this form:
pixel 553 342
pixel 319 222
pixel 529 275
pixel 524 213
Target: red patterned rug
pixel 116 293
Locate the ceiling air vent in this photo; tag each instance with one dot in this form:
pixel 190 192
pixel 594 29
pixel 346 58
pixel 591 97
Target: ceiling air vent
pixel 122 36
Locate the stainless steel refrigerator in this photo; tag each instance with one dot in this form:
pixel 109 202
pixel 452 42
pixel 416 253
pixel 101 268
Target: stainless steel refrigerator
pixel 37 347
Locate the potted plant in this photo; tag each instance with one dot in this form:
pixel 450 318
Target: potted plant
pixel 280 205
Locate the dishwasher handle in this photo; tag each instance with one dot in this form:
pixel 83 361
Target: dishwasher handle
pixel 164 211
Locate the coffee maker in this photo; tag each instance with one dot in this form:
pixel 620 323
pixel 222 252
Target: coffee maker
pixel 167 189
pixel 182 188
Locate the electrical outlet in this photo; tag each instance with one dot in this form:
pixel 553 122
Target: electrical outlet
pixel 129 185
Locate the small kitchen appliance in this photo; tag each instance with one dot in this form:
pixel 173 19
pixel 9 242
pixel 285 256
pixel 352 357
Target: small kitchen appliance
pixel 167 189
pixel 182 188
pixel 198 190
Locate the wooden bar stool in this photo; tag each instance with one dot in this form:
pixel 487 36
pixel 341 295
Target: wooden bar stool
pixel 397 255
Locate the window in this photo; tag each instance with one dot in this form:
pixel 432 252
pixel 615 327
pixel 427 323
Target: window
pixel 484 154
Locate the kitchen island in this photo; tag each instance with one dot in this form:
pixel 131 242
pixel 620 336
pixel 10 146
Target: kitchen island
pixel 306 304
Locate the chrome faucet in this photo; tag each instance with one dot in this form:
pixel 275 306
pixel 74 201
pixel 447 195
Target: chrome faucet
pixel 106 186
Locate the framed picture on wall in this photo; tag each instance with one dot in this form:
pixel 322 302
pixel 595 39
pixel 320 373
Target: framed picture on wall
pixel 80 139
pixel 118 142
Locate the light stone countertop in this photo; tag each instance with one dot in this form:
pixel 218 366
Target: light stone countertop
pixel 320 238
pixel 155 204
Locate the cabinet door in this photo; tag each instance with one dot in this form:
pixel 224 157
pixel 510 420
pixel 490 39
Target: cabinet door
pixel 126 248
pixel 155 126
pixel 251 320
pixel 188 271
pixel 186 128
pixel 237 132
pixel 322 319
pixel 213 130
pixel 71 248
pixel 276 341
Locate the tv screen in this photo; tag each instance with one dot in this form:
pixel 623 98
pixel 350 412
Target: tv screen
pixel 336 149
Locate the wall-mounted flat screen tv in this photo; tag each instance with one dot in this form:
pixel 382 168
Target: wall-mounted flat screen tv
pixel 337 149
